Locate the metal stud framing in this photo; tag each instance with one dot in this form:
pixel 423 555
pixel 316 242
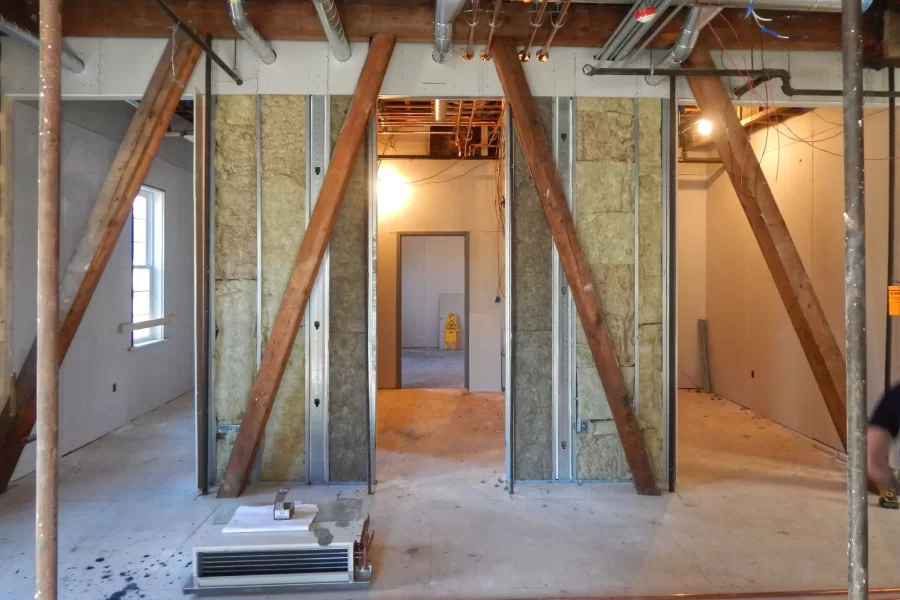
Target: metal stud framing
pixel 318 144
pixel 562 306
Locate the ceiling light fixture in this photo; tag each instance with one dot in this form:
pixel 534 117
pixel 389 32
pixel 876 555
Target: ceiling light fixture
pixel 704 127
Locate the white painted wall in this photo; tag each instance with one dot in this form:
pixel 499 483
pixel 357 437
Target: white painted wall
pixel 99 358
pixel 437 204
pixel 749 330
pixel 690 271
pixel 121 68
pixel 433 274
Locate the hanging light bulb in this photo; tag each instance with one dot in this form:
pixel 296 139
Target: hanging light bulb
pixel 704 127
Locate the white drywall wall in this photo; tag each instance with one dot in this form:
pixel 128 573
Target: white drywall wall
pixel 690 271
pixel 99 358
pixel 432 266
pixel 755 356
pixel 448 196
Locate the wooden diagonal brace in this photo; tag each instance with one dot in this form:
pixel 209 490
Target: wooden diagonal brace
pixel 309 257
pixel 771 232
pixel 540 161
pixel 108 217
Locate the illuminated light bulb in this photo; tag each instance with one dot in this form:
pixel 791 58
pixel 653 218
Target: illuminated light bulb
pixel 392 191
pixel 704 127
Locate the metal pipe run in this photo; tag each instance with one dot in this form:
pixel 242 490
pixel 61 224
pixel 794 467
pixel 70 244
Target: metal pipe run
pixel 694 21
pixel 525 53
pixel 782 74
pixel 179 24
pixel 247 31
pixel 47 391
pixel 469 52
pixel 70 61
pixel 494 23
pixel 739 595
pixel 544 53
pixel 855 302
pixel 334 29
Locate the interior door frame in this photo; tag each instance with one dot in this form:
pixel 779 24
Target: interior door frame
pixel 399 319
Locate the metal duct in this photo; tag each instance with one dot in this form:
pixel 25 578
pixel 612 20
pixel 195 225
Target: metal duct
pixel 334 29
pixel 70 60
pixel 694 21
pixel 445 13
pixel 247 31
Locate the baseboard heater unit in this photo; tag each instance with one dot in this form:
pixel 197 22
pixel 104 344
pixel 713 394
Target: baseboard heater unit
pixel 332 555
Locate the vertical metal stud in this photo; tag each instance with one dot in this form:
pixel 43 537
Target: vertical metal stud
pixel 257 463
pixel 636 165
pixel 509 400
pixel 670 322
pixel 562 467
pixel 318 144
pixel 372 333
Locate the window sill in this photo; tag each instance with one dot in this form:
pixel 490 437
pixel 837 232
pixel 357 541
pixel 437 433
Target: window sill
pixel 147 344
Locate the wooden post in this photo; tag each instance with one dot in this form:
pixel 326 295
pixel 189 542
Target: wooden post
pixel 778 249
pixel 108 217
pixel 540 161
pixel 299 286
pixel 47 385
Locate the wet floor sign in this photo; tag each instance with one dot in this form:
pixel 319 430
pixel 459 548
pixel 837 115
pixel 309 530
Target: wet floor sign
pixel 451 328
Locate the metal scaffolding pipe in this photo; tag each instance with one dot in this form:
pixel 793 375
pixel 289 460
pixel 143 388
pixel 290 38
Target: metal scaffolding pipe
pixel 70 60
pixel 334 29
pixel 247 31
pixel 47 390
pixel 855 302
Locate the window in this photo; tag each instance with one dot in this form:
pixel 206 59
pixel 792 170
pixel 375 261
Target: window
pixel 147 264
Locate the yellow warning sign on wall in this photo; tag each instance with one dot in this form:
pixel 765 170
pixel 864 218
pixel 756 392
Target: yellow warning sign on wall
pixel 451 327
pixel 894 300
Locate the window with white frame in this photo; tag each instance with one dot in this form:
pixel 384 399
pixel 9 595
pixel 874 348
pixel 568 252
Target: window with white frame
pixel 147 264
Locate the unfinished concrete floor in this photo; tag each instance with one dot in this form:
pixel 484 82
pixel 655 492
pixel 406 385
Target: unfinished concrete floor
pixel 432 368
pixel 758 507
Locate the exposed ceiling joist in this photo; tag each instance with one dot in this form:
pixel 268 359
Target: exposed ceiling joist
pixel 412 21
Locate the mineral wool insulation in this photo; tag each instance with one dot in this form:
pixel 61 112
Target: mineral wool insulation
pixel 608 215
pixel 283 223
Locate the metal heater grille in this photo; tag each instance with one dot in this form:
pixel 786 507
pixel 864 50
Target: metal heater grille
pixel 272 562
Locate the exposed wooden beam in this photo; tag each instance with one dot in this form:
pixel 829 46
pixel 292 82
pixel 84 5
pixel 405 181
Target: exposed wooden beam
pixel 542 167
pixel 306 266
pixel 587 25
pixel 108 217
pixel 791 279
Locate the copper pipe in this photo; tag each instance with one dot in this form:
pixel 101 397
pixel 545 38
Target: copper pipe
pixel 730 595
pixel 458 124
pixel 494 24
pixel 470 47
pixel 47 391
pixel 544 53
pixel 469 128
pixel 524 55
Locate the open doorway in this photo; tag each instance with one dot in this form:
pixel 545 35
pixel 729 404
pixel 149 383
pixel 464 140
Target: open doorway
pixel 750 409
pixel 432 310
pixel 440 289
